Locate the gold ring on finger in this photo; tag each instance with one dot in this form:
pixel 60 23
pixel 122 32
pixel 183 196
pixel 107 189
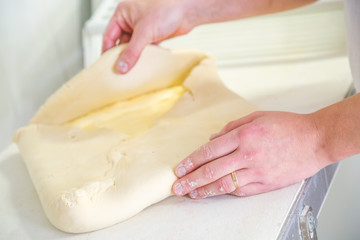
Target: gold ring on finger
pixel 235 180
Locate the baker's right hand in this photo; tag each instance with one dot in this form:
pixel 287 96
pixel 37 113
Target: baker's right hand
pixel 139 23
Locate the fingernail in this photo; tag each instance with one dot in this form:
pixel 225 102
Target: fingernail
pixel 180 171
pixel 193 194
pixel 122 67
pixel 178 189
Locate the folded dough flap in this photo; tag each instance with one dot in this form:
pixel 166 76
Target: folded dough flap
pixel 100 85
pixel 104 146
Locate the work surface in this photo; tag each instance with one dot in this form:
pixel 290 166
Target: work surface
pixel 276 87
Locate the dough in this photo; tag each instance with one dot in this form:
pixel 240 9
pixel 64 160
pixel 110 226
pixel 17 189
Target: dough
pixel 104 146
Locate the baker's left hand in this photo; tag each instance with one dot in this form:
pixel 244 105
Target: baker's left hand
pixel 265 150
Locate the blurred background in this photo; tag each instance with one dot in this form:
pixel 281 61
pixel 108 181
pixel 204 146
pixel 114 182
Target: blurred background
pixel 295 60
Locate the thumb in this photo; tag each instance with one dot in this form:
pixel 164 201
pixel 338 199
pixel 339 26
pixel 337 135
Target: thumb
pixel 132 52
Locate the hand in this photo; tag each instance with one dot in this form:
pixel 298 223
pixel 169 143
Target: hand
pixel 139 23
pixel 267 150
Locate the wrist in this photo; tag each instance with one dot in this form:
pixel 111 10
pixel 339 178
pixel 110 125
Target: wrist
pixel 321 143
pixel 338 129
pixel 193 13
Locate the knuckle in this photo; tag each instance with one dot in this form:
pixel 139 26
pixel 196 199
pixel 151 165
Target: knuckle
pixel 224 186
pixel 239 134
pixel 248 132
pixel 209 172
pixel 129 53
pixel 206 151
pixel 201 192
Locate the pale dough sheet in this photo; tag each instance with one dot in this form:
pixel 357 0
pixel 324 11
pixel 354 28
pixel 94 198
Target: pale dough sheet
pixel 104 146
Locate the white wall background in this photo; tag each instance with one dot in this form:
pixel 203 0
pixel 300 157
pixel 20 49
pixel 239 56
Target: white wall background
pixel 40 48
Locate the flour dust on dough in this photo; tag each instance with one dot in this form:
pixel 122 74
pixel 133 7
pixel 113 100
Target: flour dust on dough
pixel 104 146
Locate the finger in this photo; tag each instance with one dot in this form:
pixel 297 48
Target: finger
pixel 223 185
pixel 212 150
pixel 111 35
pixel 208 173
pixel 235 124
pixel 250 190
pixel 157 42
pixel 132 52
pixel 125 37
